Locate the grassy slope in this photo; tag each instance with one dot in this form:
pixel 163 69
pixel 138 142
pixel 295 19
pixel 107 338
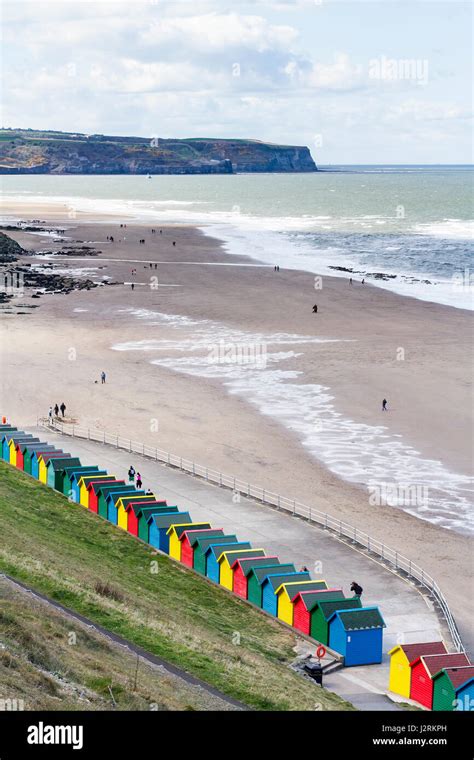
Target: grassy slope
pixel 43 665
pixel 64 551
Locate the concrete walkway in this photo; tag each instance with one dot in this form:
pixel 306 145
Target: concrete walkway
pixel 409 616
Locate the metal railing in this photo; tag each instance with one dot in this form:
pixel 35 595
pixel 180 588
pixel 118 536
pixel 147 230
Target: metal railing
pixel 349 533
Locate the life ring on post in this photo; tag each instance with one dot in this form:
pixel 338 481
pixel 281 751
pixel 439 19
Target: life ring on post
pixel 320 652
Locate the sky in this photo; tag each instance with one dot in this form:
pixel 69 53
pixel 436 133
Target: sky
pixel 358 82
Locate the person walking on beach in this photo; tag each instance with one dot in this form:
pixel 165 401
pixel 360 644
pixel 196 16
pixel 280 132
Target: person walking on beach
pixel 384 405
pixel 102 376
pixel 363 282
pixel 350 280
pixel 315 308
pixel 133 286
pixel 138 481
pixel 356 589
pixel 56 411
pixel 63 408
pixel 131 474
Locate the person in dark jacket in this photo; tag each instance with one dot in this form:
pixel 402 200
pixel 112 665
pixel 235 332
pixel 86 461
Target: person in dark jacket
pixel 356 589
pixel 63 408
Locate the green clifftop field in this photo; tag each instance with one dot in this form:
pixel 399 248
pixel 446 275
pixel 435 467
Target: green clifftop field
pixel 25 151
pixel 103 573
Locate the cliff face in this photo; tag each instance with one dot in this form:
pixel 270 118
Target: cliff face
pixel 34 152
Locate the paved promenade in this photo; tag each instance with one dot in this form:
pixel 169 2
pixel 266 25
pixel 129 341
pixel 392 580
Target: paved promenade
pixel 408 615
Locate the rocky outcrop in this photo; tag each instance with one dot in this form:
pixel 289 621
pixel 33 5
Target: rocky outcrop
pixel 32 152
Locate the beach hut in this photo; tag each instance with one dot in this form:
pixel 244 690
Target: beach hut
pixel 34 457
pixel 304 602
pixel 400 658
pixel 453 689
pixel 75 477
pixel 257 576
pixel 214 551
pixel 19 453
pixel 202 544
pixel 424 668
pixel 273 581
pixel 93 489
pixel 124 500
pixel 86 480
pixel 242 567
pixel 226 562
pixel 188 541
pixel 6 438
pixel 144 515
pixel 67 473
pixel 358 635
pixel 322 612
pixel 104 491
pixel 286 592
pixel 28 450
pixel 112 500
pixel 43 460
pixel 174 534
pixel 12 443
pixel 135 510
pixel 161 523
pixel 54 467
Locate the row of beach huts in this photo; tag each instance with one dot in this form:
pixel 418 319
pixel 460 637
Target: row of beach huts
pixel 310 606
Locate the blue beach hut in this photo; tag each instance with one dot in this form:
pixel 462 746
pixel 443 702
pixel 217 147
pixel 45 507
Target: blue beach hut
pixel 75 477
pixel 213 553
pixel 357 634
pixel 160 524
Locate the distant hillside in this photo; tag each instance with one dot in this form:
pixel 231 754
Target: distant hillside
pixel 36 152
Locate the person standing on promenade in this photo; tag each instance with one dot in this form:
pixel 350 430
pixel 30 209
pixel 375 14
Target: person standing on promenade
pixel 384 405
pixel 63 408
pixel 356 589
pixel 102 377
pixel 56 411
pixel 138 481
pixel 50 415
pixel 131 474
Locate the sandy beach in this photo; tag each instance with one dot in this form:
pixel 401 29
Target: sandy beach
pixel 363 345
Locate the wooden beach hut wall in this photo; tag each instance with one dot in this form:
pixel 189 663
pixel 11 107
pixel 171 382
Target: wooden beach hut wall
pixel 357 634
pixel 28 451
pixel 124 501
pixel 112 500
pixel 213 553
pixel 286 592
pixel 104 492
pixel 43 460
pixel 144 515
pixel 19 453
pixel 6 438
pixel 274 581
pixel 135 511
pixel 94 488
pixel 202 545
pixel 174 535
pixel 400 658
pixel 424 668
pixel 226 561
pixel 188 541
pixel 242 568
pixel 75 477
pixel 453 689
pixel 257 576
pixel 304 603
pixel 322 612
pixel 161 523
pixel 12 444
pixel 85 481
pixel 54 467
pixel 35 459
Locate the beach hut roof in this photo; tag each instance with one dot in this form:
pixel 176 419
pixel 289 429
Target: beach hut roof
pixel 137 507
pixel 276 569
pixel 194 533
pixel 433 663
pixel 107 488
pixel 141 496
pixel 414 651
pixel 247 564
pixel 328 607
pixel 311 598
pixel 115 496
pixel 97 484
pixel 234 554
pixel 179 529
pixel 46 456
pixel 31 441
pixel 458 676
pixel 277 580
pixel 360 619
pixel 176 518
pixel 36 446
pixel 292 587
pixel 218 549
pixel 58 463
pixel 220 538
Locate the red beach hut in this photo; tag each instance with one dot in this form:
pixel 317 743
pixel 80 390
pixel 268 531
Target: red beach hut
pixel 242 568
pixel 133 511
pixel 93 489
pixel 424 668
pixel 188 541
pixel 304 602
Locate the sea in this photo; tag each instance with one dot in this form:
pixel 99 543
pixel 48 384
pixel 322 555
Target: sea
pixel 405 228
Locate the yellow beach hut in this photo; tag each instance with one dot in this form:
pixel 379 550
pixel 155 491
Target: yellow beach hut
pixel 174 535
pixel 84 482
pixel 287 593
pixel 227 559
pixel 122 504
pixel 400 658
